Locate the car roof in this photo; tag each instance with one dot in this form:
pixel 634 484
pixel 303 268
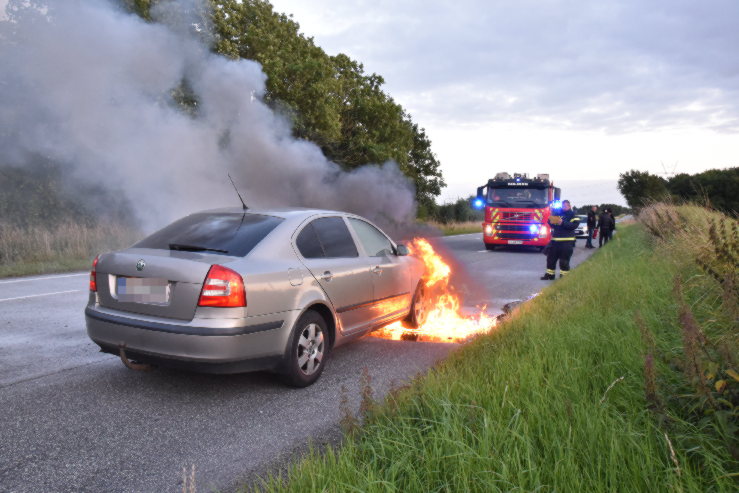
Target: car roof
pixel 283 212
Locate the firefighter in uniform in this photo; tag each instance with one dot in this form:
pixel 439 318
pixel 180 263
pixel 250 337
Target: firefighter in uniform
pixel 563 241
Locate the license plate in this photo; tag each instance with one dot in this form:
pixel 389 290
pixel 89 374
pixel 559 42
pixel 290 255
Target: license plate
pixel 151 291
pixel 515 242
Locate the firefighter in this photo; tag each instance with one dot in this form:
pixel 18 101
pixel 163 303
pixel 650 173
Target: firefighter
pixel 563 241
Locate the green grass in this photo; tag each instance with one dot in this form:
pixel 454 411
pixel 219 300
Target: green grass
pixel 527 408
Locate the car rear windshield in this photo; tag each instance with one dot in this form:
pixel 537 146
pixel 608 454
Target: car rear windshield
pixel 221 233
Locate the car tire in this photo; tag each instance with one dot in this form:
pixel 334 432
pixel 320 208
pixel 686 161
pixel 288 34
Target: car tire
pixel 419 308
pixel 490 247
pixel 307 351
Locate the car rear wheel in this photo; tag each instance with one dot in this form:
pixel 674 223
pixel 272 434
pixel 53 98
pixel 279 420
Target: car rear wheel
pixel 307 351
pixel 419 308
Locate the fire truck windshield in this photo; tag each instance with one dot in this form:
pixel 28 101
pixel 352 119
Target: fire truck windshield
pixel 517 197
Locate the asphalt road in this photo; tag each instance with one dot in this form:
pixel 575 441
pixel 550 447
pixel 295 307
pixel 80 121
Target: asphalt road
pixel 74 419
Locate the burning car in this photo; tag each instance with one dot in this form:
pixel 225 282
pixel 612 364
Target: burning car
pixel 231 290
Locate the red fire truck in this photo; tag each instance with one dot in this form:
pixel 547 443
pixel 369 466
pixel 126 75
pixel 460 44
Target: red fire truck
pixel 517 209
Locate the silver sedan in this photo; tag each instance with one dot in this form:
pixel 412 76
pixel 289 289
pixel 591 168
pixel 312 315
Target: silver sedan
pixel 229 290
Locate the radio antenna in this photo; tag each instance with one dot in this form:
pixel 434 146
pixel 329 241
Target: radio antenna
pixel 237 191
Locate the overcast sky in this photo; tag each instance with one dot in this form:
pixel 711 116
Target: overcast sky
pixel 579 89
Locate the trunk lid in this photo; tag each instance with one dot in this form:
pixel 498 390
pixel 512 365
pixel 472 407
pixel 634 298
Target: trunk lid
pixel 161 283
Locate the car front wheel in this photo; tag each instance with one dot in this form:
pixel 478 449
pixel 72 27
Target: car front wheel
pixel 419 308
pixel 307 351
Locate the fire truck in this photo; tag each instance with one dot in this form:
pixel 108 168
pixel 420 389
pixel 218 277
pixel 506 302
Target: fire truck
pixel 517 209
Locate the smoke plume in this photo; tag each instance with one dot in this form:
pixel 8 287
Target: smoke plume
pixel 89 86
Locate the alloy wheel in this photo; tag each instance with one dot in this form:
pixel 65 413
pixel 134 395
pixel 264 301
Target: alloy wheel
pixel 310 350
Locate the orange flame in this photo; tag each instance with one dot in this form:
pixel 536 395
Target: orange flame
pixel 445 321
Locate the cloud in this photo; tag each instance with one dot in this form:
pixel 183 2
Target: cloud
pixel 618 66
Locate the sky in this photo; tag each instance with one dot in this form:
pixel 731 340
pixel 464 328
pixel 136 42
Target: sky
pixel 580 89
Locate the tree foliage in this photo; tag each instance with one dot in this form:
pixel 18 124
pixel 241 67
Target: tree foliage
pixel 715 187
pixel 615 208
pixel 453 212
pixel 718 188
pixel 641 187
pixel 330 100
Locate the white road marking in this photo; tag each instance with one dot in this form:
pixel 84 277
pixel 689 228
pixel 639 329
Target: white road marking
pixel 44 278
pixel 482 251
pixel 36 295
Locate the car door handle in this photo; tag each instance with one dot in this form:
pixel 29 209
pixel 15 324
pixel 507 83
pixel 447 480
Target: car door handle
pixel 327 276
pixel 376 270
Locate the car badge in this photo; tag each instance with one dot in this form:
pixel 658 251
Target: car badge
pixel 140 264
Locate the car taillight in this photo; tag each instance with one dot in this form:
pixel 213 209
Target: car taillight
pixel 93 273
pixel 222 288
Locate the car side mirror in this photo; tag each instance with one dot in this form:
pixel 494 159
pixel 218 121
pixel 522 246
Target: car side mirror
pixel 402 250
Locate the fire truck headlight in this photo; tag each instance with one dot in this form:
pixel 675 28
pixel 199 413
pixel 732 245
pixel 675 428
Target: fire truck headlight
pixel 543 232
pixel 534 228
pixel 488 230
pixel 478 203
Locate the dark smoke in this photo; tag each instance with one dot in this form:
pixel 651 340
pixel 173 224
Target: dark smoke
pixel 89 86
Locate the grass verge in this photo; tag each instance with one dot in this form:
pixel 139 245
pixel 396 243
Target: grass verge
pixel 585 390
pixel 66 247
pixel 462 228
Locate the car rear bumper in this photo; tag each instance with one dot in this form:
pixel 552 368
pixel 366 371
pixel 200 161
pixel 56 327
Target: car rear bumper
pixel 213 345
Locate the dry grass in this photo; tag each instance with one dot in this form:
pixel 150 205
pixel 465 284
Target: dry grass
pixel 705 248
pixel 66 246
pixel 458 228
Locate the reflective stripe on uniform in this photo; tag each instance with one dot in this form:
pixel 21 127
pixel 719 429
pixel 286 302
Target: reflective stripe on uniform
pixel 550 271
pixel 564 239
pixel 574 219
pixel 563 272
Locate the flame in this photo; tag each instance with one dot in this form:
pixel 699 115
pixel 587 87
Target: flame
pixel 445 321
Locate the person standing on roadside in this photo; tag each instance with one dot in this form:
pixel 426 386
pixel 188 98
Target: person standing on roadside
pixel 613 223
pixel 606 224
pixel 592 221
pixel 563 241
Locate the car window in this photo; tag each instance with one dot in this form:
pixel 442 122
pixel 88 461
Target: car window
pixel 220 233
pixel 308 244
pixel 374 242
pixel 332 236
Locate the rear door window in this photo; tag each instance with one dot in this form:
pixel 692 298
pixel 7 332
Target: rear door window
pixel 374 242
pixel 232 234
pixel 308 244
pixel 330 234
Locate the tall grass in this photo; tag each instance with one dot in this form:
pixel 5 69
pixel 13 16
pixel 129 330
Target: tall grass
pixel 557 399
pixel 67 246
pixel 458 228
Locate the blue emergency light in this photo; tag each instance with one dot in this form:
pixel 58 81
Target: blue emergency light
pixel 478 203
pixel 557 204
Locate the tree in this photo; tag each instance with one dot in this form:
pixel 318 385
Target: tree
pixel 641 187
pixel 714 187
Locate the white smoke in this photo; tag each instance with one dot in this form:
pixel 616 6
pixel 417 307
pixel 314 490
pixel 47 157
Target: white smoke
pixel 88 85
